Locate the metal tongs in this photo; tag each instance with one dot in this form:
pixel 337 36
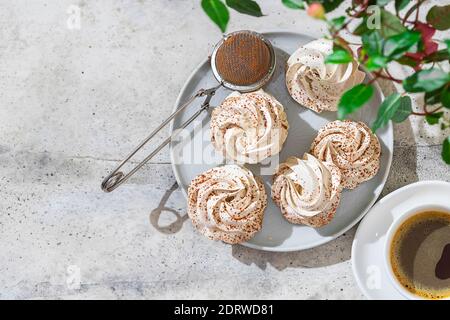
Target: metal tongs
pixel 235 53
pixel 117 177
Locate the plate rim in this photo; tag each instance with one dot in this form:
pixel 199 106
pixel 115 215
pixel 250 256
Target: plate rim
pixel 386 198
pixel 324 240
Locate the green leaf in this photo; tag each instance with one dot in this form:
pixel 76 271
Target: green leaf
pixel 390 24
pixel 361 28
pixel 373 46
pixel 382 3
pixel 401 4
pixel 339 56
pixel 433 118
pixel 249 7
pixel 372 43
pixel 354 99
pixel 438 56
pixel 376 62
pixel 337 23
pixel 217 12
pixel 387 110
pixel 294 4
pixel 396 45
pixel 447 43
pixel 446 150
pixel 445 97
pixel 407 61
pixel 433 97
pixel 426 80
pixel 441 96
pixel 404 110
pixel 439 17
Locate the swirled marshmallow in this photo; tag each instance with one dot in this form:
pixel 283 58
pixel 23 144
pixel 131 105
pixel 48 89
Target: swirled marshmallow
pixel 317 85
pixel 227 203
pixel 307 190
pixel 249 127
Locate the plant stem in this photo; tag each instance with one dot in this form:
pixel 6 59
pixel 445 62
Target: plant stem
pixel 426 113
pixel 437 109
pixel 387 77
pixel 389 74
pixel 373 79
pixel 417 12
pixel 344 26
pixel 361 10
pixel 411 10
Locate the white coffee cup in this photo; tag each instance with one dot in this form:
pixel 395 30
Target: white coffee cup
pixel 387 247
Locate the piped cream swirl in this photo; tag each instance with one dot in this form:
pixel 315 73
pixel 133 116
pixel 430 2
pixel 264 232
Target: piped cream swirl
pixel 317 85
pixel 352 147
pixel 249 127
pixel 307 190
pixel 227 203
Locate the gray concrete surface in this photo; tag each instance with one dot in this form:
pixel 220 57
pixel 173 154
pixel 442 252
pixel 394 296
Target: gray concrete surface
pixel 73 101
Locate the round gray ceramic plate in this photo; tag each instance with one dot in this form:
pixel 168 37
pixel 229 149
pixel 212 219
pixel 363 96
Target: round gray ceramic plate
pixel 192 153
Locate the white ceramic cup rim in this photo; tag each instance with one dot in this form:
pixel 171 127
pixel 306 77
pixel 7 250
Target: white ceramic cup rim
pixel 387 247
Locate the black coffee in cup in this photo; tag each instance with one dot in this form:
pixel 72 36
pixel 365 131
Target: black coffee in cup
pixel 420 254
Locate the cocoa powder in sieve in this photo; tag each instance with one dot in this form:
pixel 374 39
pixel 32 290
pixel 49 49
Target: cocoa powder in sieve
pixel 243 59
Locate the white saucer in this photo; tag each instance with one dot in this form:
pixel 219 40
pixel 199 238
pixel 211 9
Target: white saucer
pixel 368 245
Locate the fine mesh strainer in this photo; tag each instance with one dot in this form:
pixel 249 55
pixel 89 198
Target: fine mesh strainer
pixel 243 61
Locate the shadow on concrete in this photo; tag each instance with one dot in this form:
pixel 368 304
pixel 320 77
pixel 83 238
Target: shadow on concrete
pixel 331 253
pixel 156 213
pixel 404 162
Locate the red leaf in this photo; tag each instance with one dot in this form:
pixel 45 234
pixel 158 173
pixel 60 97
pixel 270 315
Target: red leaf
pixel 426 30
pixel 429 46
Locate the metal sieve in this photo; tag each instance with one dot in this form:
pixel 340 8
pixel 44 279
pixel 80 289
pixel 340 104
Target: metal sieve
pixel 242 61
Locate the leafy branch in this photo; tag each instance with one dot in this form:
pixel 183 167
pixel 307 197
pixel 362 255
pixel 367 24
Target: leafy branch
pixel 385 38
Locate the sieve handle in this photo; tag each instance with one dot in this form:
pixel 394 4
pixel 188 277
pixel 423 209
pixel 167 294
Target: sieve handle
pixel 117 177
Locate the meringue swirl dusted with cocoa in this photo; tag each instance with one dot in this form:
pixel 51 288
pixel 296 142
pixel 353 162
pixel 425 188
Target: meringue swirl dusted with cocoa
pixel 227 203
pixel 352 147
pixel 317 85
pixel 307 190
pixel 249 127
